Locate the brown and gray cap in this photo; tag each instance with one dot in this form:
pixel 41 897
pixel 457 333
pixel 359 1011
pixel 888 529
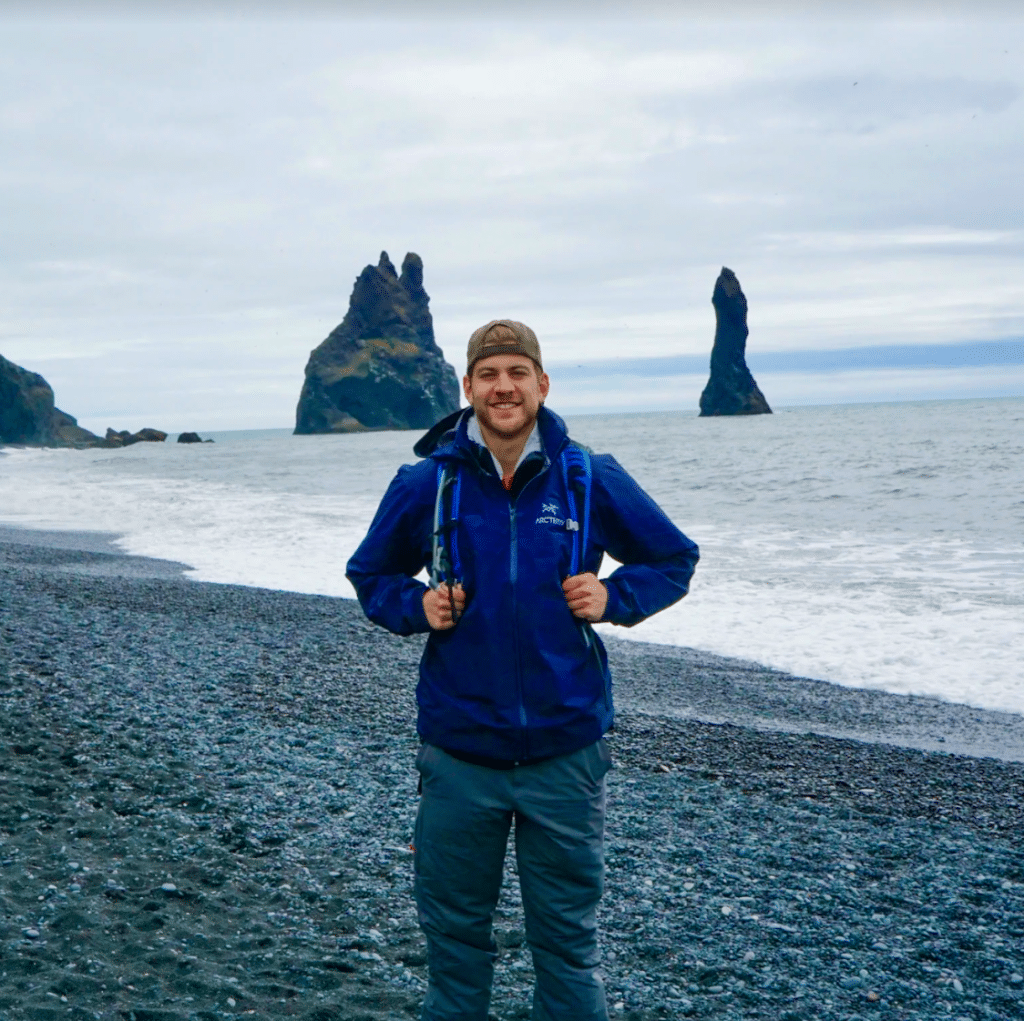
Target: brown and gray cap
pixel 502 337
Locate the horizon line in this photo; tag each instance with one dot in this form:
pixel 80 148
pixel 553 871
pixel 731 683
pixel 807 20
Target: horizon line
pixel 959 355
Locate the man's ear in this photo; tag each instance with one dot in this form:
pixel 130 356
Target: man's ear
pixel 467 387
pixel 544 384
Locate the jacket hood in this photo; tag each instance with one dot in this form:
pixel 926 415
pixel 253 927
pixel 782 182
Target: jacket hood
pixel 451 432
pixel 440 434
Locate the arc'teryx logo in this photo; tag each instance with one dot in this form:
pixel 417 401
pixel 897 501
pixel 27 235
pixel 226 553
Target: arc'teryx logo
pixel 549 515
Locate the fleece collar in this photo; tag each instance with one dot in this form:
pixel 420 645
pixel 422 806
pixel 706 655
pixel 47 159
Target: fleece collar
pixel 451 433
pixel 532 444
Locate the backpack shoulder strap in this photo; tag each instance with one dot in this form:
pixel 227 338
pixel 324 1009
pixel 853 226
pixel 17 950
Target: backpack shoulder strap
pixel 578 477
pixel 445 565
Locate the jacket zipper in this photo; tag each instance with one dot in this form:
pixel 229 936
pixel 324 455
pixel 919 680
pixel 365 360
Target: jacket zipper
pixel 513 573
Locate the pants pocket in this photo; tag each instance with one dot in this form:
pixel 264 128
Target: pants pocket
pixel 423 757
pixel 422 764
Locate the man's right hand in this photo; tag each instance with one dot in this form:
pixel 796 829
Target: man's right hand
pixel 437 605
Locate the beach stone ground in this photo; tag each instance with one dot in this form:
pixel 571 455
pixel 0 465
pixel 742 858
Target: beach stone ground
pixel 207 796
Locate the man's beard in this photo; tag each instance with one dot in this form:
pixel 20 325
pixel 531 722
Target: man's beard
pixel 484 415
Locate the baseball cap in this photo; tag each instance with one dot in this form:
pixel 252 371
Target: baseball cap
pixel 492 339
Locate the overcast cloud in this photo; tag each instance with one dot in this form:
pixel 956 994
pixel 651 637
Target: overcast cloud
pixel 186 202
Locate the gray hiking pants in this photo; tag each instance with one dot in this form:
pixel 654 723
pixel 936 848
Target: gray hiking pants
pixel 462 829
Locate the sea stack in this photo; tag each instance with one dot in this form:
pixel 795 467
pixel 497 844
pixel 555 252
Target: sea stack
pixel 731 390
pixel 380 369
pixel 28 415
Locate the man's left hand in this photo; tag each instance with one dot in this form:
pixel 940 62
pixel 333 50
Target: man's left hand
pixel 587 597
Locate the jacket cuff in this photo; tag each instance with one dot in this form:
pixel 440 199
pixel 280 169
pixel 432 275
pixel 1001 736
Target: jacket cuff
pixel 414 612
pixel 613 608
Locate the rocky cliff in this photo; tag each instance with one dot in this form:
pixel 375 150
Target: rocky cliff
pixel 28 415
pixel 380 369
pixel 731 390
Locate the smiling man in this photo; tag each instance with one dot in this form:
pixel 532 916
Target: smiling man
pixel 513 520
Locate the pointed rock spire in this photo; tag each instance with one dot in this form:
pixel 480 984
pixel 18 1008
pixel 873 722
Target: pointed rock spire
pixel 381 368
pixel 731 390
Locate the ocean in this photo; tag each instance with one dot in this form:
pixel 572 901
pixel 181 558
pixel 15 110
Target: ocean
pixel 877 546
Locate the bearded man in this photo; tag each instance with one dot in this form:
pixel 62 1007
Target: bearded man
pixel 514 690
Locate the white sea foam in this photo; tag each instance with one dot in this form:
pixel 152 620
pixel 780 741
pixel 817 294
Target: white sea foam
pixel 876 546
pixel 262 508
pixel 915 618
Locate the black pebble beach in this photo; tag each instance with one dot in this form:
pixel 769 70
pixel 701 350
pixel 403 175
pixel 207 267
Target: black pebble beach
pixel 207 798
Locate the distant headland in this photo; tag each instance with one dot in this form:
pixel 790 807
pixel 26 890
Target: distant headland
pixel 30 418
pixel 28 414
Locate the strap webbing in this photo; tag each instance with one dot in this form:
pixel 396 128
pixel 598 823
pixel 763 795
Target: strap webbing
pixel 445 564
pixel 578 477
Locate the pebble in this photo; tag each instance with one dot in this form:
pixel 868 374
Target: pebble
pixel 249 693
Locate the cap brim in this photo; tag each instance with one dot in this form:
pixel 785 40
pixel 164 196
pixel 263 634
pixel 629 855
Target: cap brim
pixel 504 349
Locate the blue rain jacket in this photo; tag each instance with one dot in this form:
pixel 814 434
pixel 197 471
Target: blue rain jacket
pixel 519 678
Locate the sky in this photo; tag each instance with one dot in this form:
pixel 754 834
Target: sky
pixel 186 198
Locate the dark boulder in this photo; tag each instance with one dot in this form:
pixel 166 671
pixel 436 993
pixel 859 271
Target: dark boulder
pixel 123 438
pixel 189 438
pixel 380 369
pixel 731 390
pixel 114 438
pixel 28 415
pixel 149 436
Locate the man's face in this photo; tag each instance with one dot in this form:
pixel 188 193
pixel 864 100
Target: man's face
pixel 505 392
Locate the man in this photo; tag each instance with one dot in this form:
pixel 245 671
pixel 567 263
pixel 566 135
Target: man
pixel 514 692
